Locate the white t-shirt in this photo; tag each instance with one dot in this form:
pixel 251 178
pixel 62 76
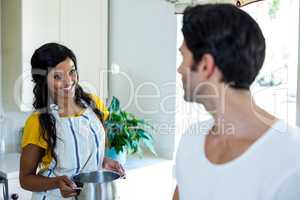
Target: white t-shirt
pixel 268 170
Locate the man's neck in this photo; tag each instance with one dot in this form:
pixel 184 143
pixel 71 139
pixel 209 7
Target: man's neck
pixel 236 114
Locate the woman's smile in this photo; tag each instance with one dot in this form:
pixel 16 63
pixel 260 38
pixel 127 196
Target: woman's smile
pixel 69 89
pixel 63 79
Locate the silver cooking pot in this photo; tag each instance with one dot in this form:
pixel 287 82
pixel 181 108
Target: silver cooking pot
pixel 97 185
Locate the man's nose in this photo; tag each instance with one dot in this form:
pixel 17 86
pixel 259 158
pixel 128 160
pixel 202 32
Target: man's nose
pixel 179 69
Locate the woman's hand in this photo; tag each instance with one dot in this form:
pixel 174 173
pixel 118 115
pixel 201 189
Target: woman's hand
pixel 66 186
pixel 113 165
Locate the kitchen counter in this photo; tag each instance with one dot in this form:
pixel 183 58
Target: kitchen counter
pixel 9 165
pixel 10 162
pixel 147 178
pixel 9 175
pixel 148 172
pixel 135 162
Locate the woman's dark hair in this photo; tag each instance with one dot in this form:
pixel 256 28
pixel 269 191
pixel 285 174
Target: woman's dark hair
pixel 231 36
pixel 42 61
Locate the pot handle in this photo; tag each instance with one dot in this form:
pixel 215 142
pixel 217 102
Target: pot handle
pixel 123 176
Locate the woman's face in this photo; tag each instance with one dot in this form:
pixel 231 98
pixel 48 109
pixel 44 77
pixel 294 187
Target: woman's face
pixel 62 80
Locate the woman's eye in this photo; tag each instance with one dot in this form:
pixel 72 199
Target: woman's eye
pixel 57 77
pixel 73 72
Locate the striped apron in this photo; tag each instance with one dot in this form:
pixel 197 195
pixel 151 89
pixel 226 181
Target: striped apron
pixel 78 138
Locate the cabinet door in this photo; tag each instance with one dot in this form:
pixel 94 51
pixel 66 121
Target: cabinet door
pixel 15 188
pixel 1 191
pixel 40 25
pixel 84 30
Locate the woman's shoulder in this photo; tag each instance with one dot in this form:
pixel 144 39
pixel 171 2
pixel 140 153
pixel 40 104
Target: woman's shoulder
pixel 33 117
pixel 33 123
pixel 32 132
pixel 95 98
pixel 98 102
pixel 100 105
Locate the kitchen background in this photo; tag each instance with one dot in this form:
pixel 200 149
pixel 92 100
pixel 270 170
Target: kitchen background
pixel 137 38
pixel 136 32
pixel 128 49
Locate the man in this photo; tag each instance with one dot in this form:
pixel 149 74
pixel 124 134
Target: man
pixel 243 153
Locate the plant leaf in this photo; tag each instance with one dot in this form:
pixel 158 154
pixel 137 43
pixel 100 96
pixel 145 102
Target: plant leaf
pixel 150 146
pixel 139 152
pixel 126 132
pixel 143 134
pixel 115 117
pixel 114 105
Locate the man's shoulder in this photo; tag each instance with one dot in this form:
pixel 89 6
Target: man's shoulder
pixel 284 145
pixel 291 142
pixel 286 136
pixel 281 156
pixel 193 135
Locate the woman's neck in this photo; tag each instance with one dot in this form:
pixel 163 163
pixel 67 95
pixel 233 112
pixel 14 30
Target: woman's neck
pixel 67 105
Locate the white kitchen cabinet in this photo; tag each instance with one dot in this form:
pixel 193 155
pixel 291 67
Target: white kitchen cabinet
pixel 15 189
pixel 9 170
pixel 84 29
pixel 27 24
pixel 40 23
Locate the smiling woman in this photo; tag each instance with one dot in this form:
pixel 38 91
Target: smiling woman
pixel 65 130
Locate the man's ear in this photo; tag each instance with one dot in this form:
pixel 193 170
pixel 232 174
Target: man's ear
pixel 207 65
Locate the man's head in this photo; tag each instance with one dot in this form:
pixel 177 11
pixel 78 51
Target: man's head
pixel 222 45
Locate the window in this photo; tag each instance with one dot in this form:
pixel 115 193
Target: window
pixel 275 88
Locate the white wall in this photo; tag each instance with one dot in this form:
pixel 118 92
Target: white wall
pixel 298 80
pixel 1 109
pixel 143 43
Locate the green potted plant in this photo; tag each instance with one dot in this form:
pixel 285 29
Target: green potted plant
pixel 126 133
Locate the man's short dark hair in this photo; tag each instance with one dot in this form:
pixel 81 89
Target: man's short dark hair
pixel 231 36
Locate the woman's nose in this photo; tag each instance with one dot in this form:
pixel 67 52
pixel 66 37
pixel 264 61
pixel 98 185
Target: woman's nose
pixel 68 80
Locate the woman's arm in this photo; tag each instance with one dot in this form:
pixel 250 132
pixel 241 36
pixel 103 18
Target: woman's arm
pixel 30 158
pixel 176 195
pixel 29 180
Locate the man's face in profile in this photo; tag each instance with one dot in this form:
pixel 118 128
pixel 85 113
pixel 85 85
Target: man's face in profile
pixel 192 80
